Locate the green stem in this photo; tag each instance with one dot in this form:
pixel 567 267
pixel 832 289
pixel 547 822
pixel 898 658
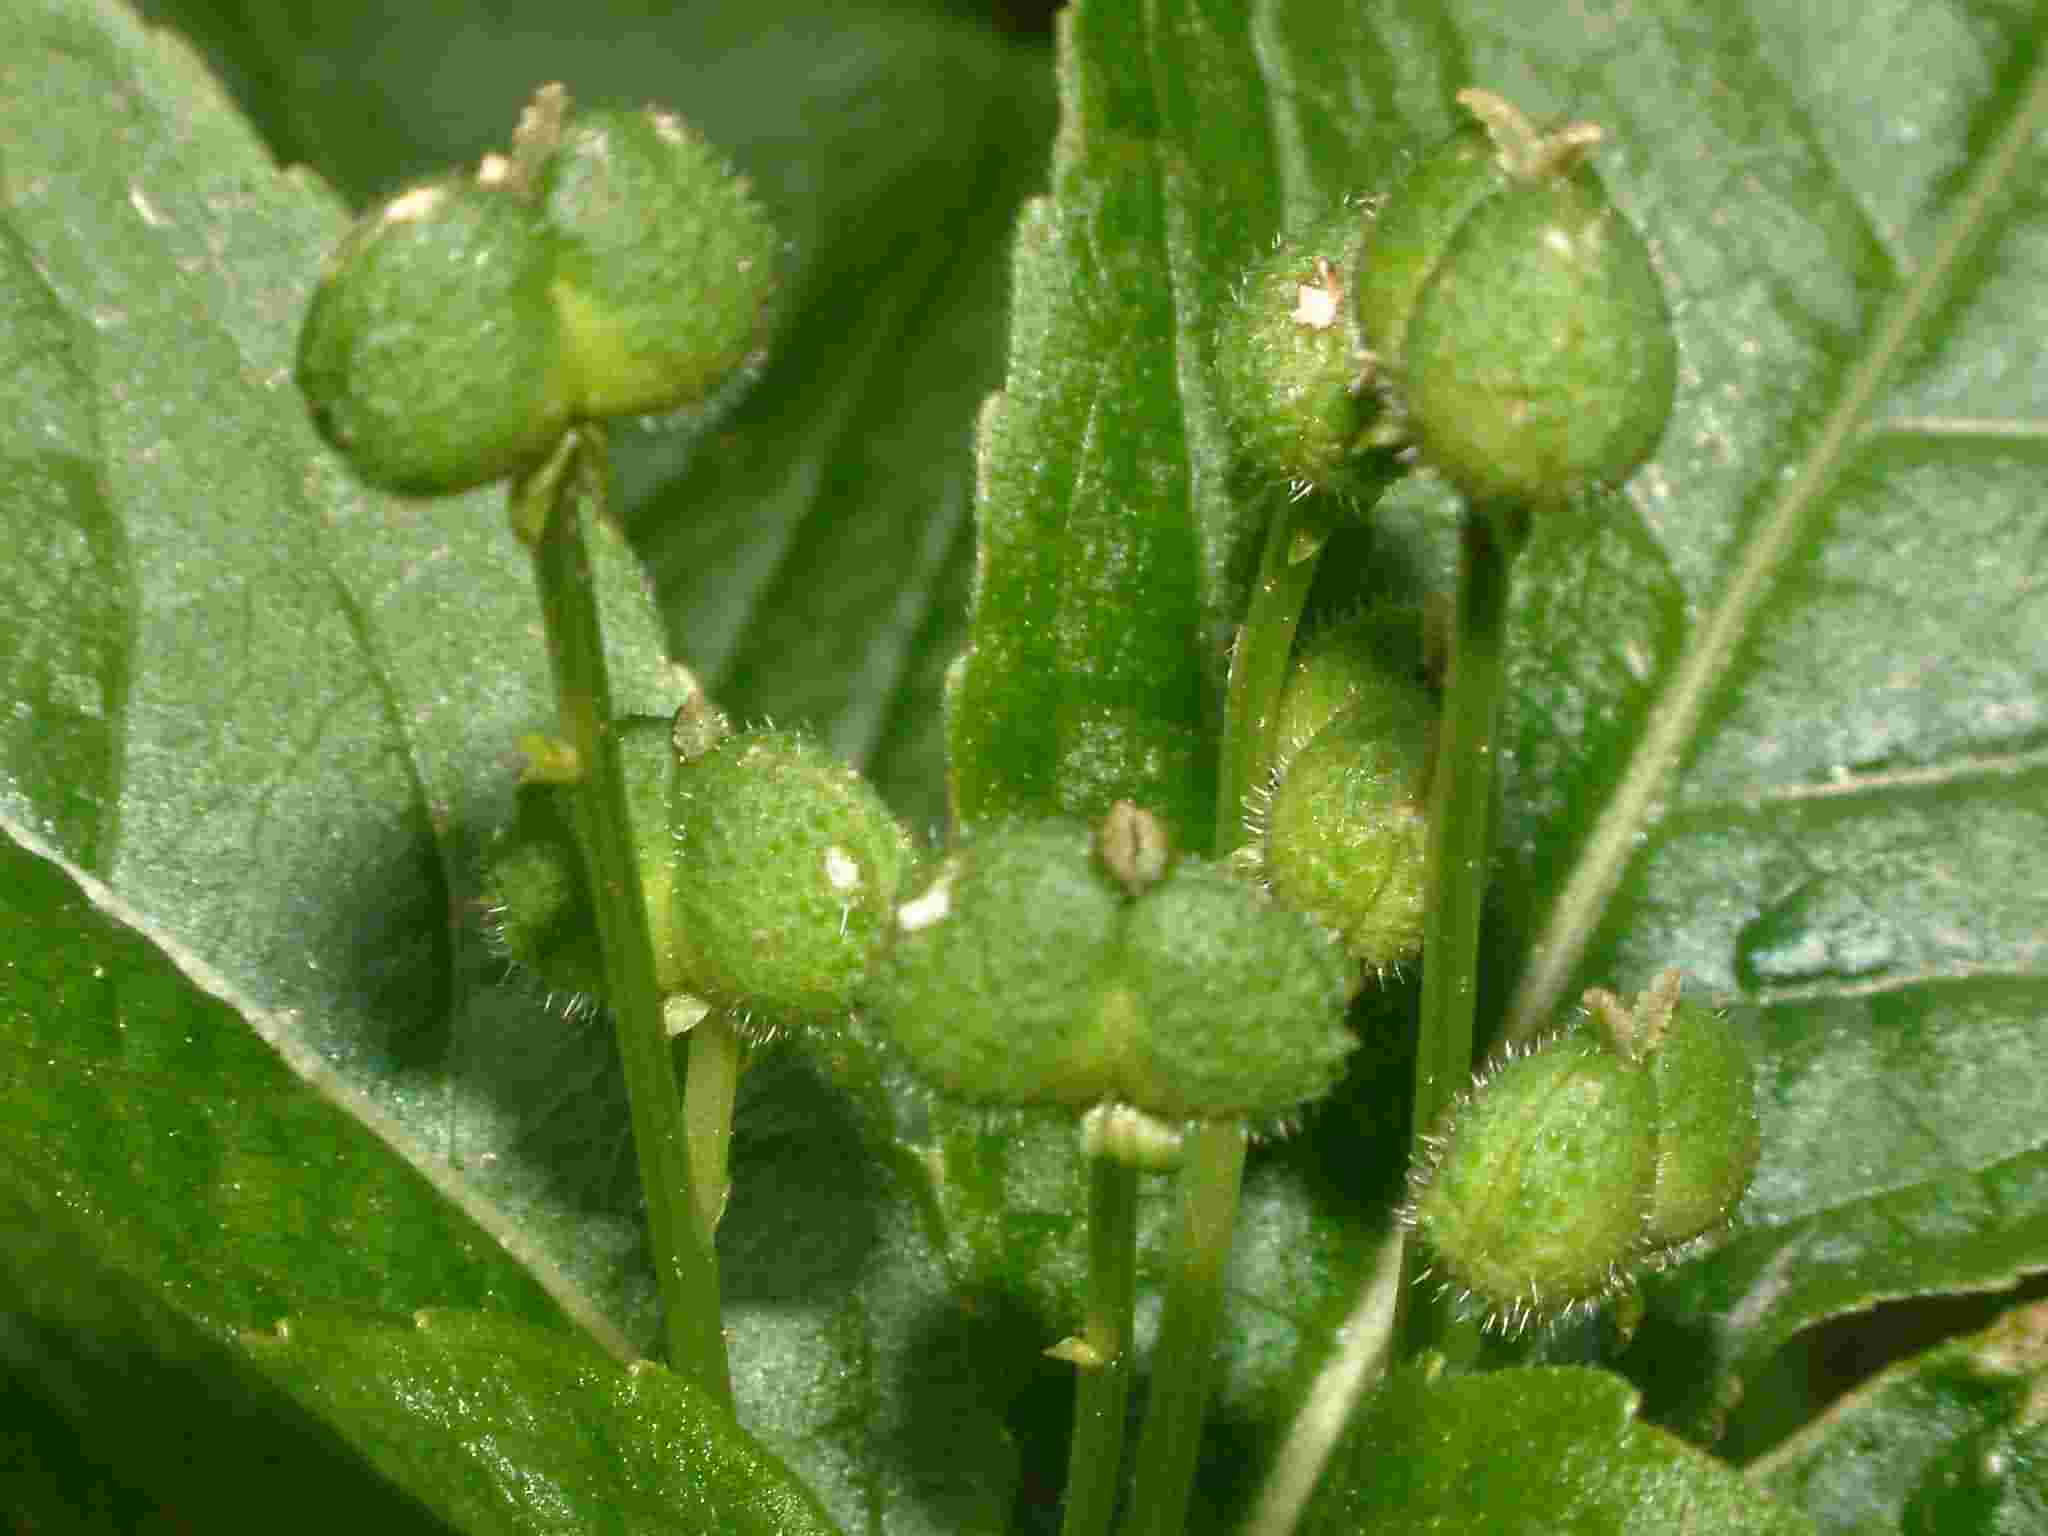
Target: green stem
pixel 1460 833
pixel 1103 1386
pixel 1258 672
pixel 709 1084
pixel 547 512
pixel 1187 1331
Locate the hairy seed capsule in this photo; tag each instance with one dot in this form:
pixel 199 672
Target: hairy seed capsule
pixel 666 262
pixel 431 357
pixel 786 870
pixel 1534 1202
pixel 1240 1003
pixel 995 979
pixel 1708 1136
pixel 1026 974
pixel 534 880
pixel 1344 832
pixel 1290 362
pixel 1517 316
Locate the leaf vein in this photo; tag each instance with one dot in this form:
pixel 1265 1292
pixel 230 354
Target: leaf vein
pixel 1799 507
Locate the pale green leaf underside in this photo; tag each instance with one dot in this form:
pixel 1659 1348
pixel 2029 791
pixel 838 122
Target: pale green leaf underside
pixel 306 696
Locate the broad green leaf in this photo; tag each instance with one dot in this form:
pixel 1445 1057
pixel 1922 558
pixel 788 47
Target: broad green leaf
pixel 308 694
pixel 1949 1441
pixel 496 1427
pixel 237 1181
pixel 812 553
pixel 392 649
pixel 1531 1450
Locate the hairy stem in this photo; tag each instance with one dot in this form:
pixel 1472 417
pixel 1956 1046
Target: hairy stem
pixel 1096 1454
pixel 1460 834
pixel 547 508
pixel 1187 1331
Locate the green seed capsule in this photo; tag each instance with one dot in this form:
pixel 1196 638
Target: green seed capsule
pixel 1238 1004
pixel 995 979
pixel 1534 1201
pixel 666 265
pixel 431 356
pixel 534 880
pixel 785 873
pixel 1517 317
pixel 1027 974
pixel 1375 653
pixel 1291 364
pixel 1708 1136
pixel 1345 831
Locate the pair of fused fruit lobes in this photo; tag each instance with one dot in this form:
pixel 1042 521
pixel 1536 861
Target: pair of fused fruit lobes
pixel 612 265
pixel 770 871
pixel 1342 831
pixel 1494 310
pixel 1052 963
pixel 1603 1151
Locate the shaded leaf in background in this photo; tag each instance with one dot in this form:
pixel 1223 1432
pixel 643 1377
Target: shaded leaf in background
pixel 1949 1441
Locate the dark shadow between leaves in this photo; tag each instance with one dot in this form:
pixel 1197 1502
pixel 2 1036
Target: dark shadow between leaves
pixel 802 1216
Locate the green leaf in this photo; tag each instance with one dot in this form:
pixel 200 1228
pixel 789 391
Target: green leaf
pixel 294 780
pixel 1778 711
pixel 495 1426
pixel 1112 551
pixel 1948 1441
pixel 1530 1450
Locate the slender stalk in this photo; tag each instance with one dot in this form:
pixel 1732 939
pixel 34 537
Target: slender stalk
pixel 1460 832
pixel 712 1078
pixel 1258 671
pixel 547 511
pixel 1103 1387
pixel 1187 1332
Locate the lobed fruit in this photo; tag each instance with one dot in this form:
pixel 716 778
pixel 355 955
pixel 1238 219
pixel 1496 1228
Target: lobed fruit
pixel 1290 362
pixel 612 265
pixel 534 881
pixel 1343 832
pixel 785 870
pixel 1535 1199
pixel 1516 316
pixel 664 262
pixel 1026 973
pixel 1601 1152
pixel 432 357
pixel 1708 1137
